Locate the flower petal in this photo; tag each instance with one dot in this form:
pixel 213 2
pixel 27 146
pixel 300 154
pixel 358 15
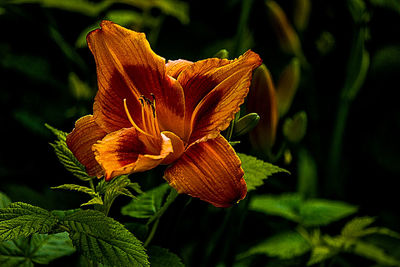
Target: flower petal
pixel 86 133
pixel 125 151
pixel 126 69
pixel 210 171
pixel 214 90
pixel 175 67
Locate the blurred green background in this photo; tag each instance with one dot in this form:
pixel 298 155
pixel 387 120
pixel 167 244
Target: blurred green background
pixel 47 75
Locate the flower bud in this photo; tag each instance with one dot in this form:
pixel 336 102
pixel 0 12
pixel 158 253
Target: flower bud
pixel 287 86
pixel 245 124
pixel 301 14
pixel 262 100
pixel 295 128
pixel 223 54
pixel 287 36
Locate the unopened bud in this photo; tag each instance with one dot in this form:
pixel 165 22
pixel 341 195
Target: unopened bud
pixel 223 54
pixel 301 14
pixel 287 86
pixel 287 36
pixel 262 100
pixel 245 124
pixel 295 128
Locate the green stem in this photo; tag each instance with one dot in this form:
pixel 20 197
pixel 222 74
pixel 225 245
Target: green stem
pixel 244 17
pixel 152 232
pixel 335 179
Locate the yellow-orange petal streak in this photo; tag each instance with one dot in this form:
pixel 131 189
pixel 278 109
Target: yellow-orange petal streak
pixel 86 133
pixel 215 111
pixel 127 68
pixel 210 171
pixel 127 151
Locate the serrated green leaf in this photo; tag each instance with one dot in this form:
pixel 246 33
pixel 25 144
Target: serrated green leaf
pixel 78 188
pixel 356 226
pixel 94 201
pixel 147 204
pixel 40 248
pixel 21 220
pixel 168 201
pixel 319 254
pixel 61 136
pixel 104 240
pixel 161 257
pixel 67 158
pixel 374 253
pixel 256 170
pixel 286 205
pixel 285 245
pixel 4 200
pixel 319 212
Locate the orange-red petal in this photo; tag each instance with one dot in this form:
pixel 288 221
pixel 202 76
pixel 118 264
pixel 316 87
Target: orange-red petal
pixel 127 151
pixel 126 69
pixel 175 67
pixel 86 133
pixel 215 111
pixel 210 171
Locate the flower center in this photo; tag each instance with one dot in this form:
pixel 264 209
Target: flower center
pixel 150 125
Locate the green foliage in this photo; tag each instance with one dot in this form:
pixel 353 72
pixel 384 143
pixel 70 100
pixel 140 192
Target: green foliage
pixel 4 200
pixel 78 188
pixel 284 245
pixel 256 170
pixel 21 220
pixel 390 4
pixel 310 213
pixel 102 239
pixel 148 203
pixel 39 248
pixel 160 257
pixel 245 124
pixel 319 212
pixel 66 157
pixel 374 253
pixel 84 7
pixel 306 174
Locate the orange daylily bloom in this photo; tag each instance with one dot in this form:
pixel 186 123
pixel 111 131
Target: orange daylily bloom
pixel 147 113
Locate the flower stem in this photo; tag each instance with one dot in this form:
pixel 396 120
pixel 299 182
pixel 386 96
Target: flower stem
pixel 241 30
pixel 152 232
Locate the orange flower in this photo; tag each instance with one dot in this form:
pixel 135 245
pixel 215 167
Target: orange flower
pixel 148 113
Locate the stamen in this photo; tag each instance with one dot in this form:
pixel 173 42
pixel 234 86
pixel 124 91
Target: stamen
pixel 131 120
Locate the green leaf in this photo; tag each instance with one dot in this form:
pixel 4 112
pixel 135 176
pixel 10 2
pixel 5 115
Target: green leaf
pixel 147 204
pixel 66 157
pixel 61 136
pixel 94 201
pixel 168 201
pixel 4 200
pixel 357 227
pixel 374 253
pixel 390 4
pixel 285 205
pixel 160 257
pixel 40 248
pixel 256 170
pixel 102 239
pixel 319 254
pixel 319 212
pixel 78 188
pixel 84 7
pixel 21 220
pixel 285 245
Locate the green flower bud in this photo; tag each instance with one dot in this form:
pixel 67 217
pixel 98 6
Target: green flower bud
pixel 262 100
pixel 245 124
pixel 295 128
pixel 287 36
pixel 223 54
pixel 287 86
